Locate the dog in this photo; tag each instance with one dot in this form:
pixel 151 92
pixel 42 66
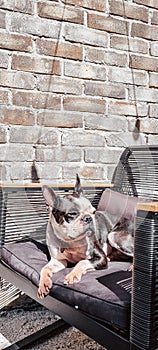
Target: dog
pixel 79 234
pixel 73 235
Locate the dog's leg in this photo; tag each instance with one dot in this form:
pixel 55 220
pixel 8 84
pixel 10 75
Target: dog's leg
pixel 46 274
pixel 130 268
pixel 80 269
pixel 96 261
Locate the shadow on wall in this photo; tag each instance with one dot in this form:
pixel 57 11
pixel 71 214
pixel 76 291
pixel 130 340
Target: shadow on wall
pixel 136 130
pixel 34 173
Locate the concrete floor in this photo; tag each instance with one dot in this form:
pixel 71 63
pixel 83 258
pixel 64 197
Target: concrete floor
pixel 18 320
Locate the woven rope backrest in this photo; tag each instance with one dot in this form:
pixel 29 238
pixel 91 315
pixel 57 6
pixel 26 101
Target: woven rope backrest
pixel 137 172
pixel 24 212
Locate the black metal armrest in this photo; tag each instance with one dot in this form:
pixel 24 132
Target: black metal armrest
pixel 144 311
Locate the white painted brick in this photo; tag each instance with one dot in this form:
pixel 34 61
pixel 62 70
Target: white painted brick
pixel 82 138
pixel 122 139
pixel 85 172
pixel 153 80
pixel 14 152
pixel 23 23
pixel 144 94
pixel 59 85
pixel 85 71
pixel 72 83
pixel 48 172
pixel 153 110
pixel 78 34
pixel 36 135
pixel 106 123
pixel 128 108
pixel 103 155
pixel 154 48
pixel 58 154
pixel 128 76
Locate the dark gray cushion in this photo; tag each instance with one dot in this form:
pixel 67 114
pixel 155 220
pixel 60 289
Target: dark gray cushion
pixel 104 294
pixel 26 257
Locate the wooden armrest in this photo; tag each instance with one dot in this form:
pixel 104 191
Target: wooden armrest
pixel 151 206
pixel 55 185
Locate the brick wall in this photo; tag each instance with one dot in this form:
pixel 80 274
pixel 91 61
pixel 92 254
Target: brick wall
pixel 74 77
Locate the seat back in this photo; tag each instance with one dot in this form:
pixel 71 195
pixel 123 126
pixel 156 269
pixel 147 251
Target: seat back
pixel 137 172
pixel 24 213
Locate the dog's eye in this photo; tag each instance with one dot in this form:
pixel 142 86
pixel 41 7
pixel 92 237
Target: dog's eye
pixel 59 215
pixel 71 216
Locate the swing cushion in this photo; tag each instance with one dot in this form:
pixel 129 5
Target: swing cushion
pixel 105 294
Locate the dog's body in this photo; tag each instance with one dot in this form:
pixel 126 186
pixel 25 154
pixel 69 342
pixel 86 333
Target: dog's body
pixel 76 233
pixel 72 236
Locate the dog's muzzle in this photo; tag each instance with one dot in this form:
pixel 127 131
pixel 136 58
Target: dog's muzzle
pixel 85 225
pixel 87 219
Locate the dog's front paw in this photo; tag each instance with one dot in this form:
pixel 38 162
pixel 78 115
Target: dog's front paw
pixel 80 269
pixel 130 268
pixel 45 282
pixel 75 274
pixel 73 277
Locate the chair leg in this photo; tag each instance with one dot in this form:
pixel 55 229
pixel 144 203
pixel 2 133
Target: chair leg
pixel 51 330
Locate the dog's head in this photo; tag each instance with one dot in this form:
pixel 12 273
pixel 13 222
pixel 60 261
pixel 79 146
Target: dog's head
pixel 71 216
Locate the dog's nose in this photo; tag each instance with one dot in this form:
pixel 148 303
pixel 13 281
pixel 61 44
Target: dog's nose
pixel 87 219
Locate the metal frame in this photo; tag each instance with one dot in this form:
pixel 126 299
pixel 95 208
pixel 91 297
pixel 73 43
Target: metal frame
pixel 88 325
pixel 137 172
pixel 48 331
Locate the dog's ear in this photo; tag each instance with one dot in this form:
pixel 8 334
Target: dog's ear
pixel 78 188
pixel 49 195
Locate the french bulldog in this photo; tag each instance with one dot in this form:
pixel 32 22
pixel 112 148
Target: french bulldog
pixel 76 233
